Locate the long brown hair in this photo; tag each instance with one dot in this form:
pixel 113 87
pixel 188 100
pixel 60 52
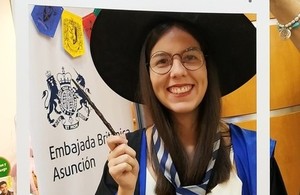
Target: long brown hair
pixel 208 121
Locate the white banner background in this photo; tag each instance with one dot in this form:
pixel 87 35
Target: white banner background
pixel 47 54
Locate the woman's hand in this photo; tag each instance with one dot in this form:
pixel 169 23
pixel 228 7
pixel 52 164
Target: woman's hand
pixel 285 11
pixel 122 163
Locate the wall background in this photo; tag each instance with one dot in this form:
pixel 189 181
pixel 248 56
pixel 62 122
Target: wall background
pixel 8 84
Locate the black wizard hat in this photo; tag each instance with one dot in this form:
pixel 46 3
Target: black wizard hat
pixel 118 37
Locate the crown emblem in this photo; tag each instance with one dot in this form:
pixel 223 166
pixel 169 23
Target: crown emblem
pixel 48 74
pixel 64 78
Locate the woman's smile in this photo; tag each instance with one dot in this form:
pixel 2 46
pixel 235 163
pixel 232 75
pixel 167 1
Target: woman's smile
pixel 180 89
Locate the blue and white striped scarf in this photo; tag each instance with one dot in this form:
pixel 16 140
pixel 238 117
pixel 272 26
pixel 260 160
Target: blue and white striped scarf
pixel 168 168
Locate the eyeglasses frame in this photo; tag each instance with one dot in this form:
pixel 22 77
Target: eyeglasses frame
pixel 180 55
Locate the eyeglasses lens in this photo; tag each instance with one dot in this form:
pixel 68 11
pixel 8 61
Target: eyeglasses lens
pixel 162 62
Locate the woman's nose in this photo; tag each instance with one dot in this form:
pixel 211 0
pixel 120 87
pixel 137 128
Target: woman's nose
pixel 177 67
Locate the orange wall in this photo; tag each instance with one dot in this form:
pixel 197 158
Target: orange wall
pixel 285 93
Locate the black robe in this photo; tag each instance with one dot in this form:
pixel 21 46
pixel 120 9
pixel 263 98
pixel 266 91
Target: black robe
pixel 108 186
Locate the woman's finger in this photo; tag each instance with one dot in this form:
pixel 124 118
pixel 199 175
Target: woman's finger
pixel 122 164
pixel 125 158
pixel 114 141
pixel 120 150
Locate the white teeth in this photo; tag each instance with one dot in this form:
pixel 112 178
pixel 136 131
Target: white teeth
pixel 179 90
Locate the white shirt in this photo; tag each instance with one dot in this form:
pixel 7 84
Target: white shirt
pixel 233 186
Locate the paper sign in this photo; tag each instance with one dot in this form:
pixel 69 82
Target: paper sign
pixel 72 34
pixel 97 11
pixel 46 18
pixel 4 167
pixel 88 22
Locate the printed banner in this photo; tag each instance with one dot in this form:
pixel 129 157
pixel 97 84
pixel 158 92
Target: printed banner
pixel 68 138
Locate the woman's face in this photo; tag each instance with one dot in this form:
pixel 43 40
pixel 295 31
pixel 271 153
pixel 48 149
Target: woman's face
pixel 180 90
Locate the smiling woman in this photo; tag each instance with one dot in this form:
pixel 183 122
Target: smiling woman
pixel 179 65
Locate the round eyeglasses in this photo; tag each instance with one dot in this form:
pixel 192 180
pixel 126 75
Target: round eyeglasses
pixel 191 58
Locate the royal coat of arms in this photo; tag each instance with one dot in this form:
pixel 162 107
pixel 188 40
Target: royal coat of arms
pixel 65 103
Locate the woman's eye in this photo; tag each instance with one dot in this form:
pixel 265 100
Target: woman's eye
pixel 189 58
pixel 163 61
